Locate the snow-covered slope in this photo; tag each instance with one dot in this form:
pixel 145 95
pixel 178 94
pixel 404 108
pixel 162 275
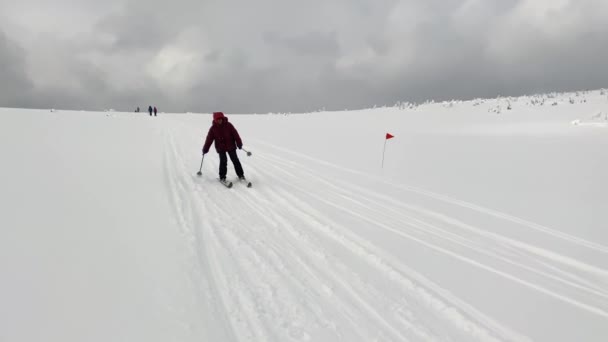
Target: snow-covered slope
pixel 484 223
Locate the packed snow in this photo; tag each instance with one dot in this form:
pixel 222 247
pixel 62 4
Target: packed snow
pixel 481 220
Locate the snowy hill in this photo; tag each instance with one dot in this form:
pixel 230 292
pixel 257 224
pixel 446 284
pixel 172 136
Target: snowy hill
pixel 485 222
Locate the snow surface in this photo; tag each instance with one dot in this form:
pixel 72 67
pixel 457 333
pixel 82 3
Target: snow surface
pixel 483 224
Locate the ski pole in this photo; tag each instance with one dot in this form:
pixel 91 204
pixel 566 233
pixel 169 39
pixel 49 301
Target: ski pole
pixel 248 153
pixel 199 170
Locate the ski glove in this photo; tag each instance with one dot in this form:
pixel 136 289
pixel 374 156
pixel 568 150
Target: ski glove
pixel 240 147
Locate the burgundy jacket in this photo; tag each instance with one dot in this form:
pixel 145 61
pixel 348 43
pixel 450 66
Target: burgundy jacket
pixel 225 136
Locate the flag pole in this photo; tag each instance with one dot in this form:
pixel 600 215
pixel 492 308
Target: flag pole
pixel 383 150
pixel 388 136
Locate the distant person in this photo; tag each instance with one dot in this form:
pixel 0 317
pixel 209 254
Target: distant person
pixel 137 110
pixel 150 110
pixel 227 140
pixel 154 110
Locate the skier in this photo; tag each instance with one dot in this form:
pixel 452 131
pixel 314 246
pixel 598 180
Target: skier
pixel 150 110
pixel 227 140
pixel 154 110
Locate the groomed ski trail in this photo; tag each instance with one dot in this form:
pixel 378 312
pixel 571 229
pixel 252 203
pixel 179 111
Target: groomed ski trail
pixel 275 267
pixel 557 275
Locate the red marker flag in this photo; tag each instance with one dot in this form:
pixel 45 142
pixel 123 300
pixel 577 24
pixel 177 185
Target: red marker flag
pixel 388 136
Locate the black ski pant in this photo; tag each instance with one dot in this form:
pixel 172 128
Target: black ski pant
pixel 235 161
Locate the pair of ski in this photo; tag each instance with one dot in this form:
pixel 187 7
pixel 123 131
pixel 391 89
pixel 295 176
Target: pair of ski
pixel 228 183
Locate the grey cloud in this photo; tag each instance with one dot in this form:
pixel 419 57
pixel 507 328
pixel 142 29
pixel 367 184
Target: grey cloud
pixel 15 86
pixel 311 43
pixel 268 56
pixel 213 56
pixel 149 24
pixel 454 61
pixel 135 32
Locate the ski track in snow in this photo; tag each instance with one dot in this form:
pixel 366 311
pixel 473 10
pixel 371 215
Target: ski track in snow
pixel 189 219
pixel 587 279
pixel 274 266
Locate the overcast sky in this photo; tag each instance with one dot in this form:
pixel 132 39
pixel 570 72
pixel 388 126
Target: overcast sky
pixel 284 55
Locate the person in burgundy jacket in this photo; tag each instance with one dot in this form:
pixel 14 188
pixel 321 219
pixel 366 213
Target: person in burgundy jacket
pixel 227 140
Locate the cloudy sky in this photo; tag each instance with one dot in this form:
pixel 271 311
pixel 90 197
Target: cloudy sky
pixel 244 56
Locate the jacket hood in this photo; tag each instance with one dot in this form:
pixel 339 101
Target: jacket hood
pixel 224 120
